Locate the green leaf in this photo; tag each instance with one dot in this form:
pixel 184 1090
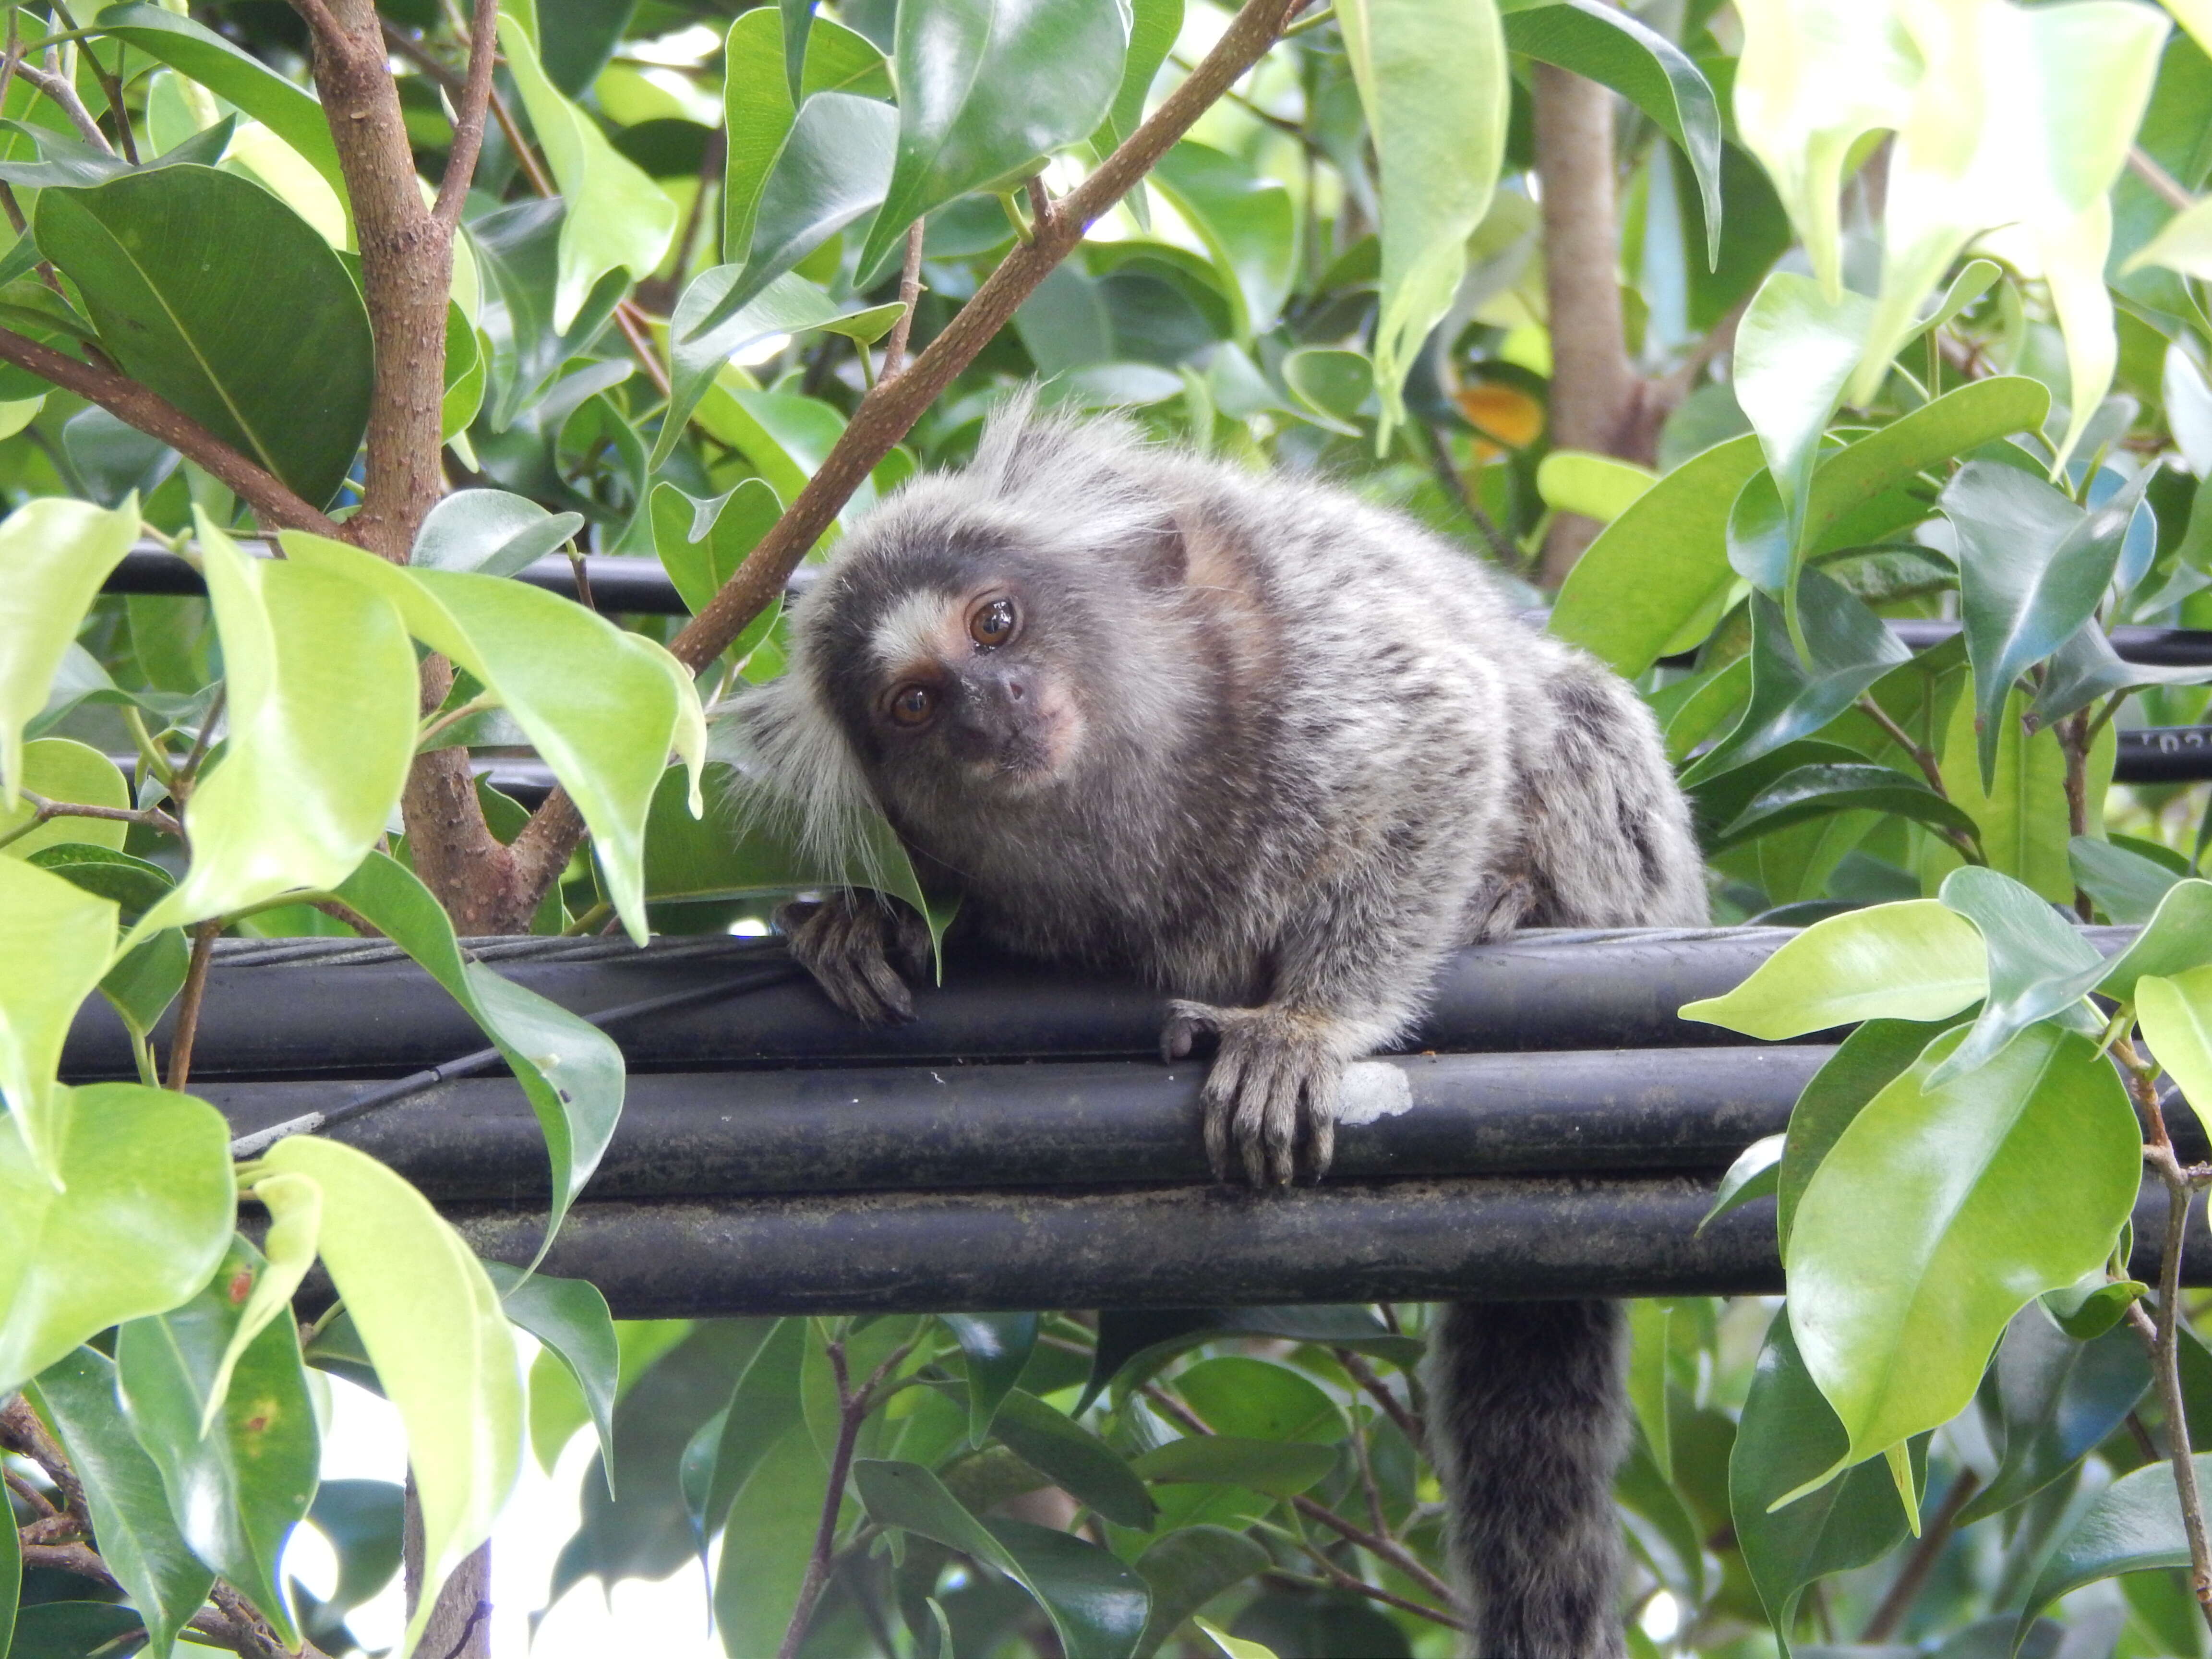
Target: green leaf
pixel 489 532
pixel 321 713
pixel 236 1492
pixel 763 1407
pixel 1806 792
pixel 788 304
pixel 617 218
pixel 138 1541
pixel 287 110
pixel 1133 1344
pixel 2032 567
pixel 1260 1400
pixel 702 543
pixel 2133 1525
pixel 2177 1021
pixel 1096 1604
pixel 1234 1647
pixel 212 292
pixel 2038 966
pixel 1941 1211
pixel 1432 76
pixel 1153 27
pixel 518 247
pixel 444 1352
pixel 1911 960
pixel 2178 936
pixel 767 1544
pixel 2023 818
pixel 832 169
pixel 1611 48
pixel 295 1225
pixel 1787 1437
pixel 1597 486
pixel 56 553
pixel 602 707
pixel 55 945
pixel 63 769
pixel 144 1217
pixel 570 1318
pixel 1333 385
pixel 1281 1469
pixel 1756 1174
pixel 363 1520
pixel 1248 224
pixel 1186 1569
pixel 997 1347
pixel 987 94
pixel 1847 649
pixel 1794 350
pixel 571 1071
pixel 1867 1061
pixel 1074 1459
pixel 2086 668
pixel 2057 1399
pixel 758 105
pixel 11 1580
pixel 68 1630
pixel 1659 565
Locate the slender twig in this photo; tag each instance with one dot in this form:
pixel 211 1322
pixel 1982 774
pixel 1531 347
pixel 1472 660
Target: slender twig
pixel 583 578
pixel 42 1505
pixel 909 292
pixel 1375 1517
pixel 180 781
pixel 2145 166
pixel 637 329
pixel 23 1433
pixel 1040 203
pixel 57 89
pixel 272 501
pixel 469 115
pixel 2073 744
pixel 1337 1578
pixel 1357 1368
pixel 111 87
pixel 1906 1587
pixel 1922 755
pixel 1501 545
pixel 532 168
pixel 889 411
pixel 45 811
pixel 188 1003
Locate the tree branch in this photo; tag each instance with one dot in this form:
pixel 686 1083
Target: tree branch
pixel 272 500
pixel 909 294
pixel 897 402
pixel 57 89
pixel 468 117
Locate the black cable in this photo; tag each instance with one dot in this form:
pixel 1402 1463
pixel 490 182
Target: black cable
pixel 387 1094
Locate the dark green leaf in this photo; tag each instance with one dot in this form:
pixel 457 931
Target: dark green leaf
pixel 2133 1525
pixel 702 543
pixel 1820 791
pixel 518 247
pixel 65 161
pixel 1186 1569
pixel 1759 540
pixel 997 1347
pixel 2057 1399
pixel 1756 1174
pixel 2126 886
pixel 1849 648
pixel 832 169
pixel 212 292
pixel 1787 1437
pixel 1076 1460
pixel 1260 1400
pixel 236 1494
pixel 2087 668
pixel 68 1630
pixel 1248 223
pixel 2032 567
pixel 133 883
pixel 131 1520
pixel 11 1574
pixel 570 1317
pixel 1096 1604
pixel 1860 492
pixel 768 1543
pixel 763 1404
pixel 1132 1345
pixel 1282 1468
pixel 1869 1060
pixel 987 94
pixel 287 110
pixel 2039 965
pixel 1611 48
pixel 361 1519
pixel 758 103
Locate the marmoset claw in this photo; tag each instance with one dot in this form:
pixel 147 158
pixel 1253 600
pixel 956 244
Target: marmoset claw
pixel 1272 1092
pixel 855 944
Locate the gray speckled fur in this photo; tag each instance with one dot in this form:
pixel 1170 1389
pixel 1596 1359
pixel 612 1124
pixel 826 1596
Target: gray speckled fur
pixel 1316 754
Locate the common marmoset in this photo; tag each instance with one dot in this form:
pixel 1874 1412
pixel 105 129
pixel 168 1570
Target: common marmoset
pixel 1278 752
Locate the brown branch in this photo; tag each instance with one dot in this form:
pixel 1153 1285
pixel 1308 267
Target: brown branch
pixel 1361 1372
pixel 1905 1588
pixel 532 168
pixel 2074 743
pixel 80 1558
pixel 23 1433
pixel 188 1003
pixel 272 501
pixel 1338 1578
pixel 2164 184
pixel 58 89
pixel 895 402
pixel 45 811
pixel 909 293
pixel 468 117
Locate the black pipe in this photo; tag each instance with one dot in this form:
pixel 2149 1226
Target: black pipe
pixel 1176 1247
pixel 323 1008
pixel 1112 1124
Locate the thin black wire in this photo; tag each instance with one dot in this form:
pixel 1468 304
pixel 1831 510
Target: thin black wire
pixel 388 1094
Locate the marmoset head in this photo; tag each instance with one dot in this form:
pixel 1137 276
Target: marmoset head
pixel 984 636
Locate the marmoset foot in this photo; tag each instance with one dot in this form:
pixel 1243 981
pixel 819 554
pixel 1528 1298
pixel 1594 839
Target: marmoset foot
pixel 856 946
pixel 1272 1092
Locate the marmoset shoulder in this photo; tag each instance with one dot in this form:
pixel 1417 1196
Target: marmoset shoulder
pixel 1278 751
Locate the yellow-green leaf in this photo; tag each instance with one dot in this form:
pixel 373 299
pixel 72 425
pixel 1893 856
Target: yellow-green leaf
pixel 1912 960
pixel 63 769
pixel 55 944
pixel 56 553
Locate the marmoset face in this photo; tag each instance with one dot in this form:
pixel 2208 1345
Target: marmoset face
pixel 963 685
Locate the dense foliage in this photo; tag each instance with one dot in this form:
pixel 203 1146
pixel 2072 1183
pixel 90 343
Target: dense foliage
pixel 1910 323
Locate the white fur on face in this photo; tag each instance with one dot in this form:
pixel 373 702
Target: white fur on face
pixel 920 627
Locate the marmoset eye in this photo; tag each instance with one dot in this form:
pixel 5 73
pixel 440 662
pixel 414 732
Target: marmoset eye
pixel 913 705
pixel 992 623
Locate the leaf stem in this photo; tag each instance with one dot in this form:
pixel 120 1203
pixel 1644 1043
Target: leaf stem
pixel 909 293
pixel 45 811
pixel 2074 741
pixel 1921 755
pixel 188 1003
